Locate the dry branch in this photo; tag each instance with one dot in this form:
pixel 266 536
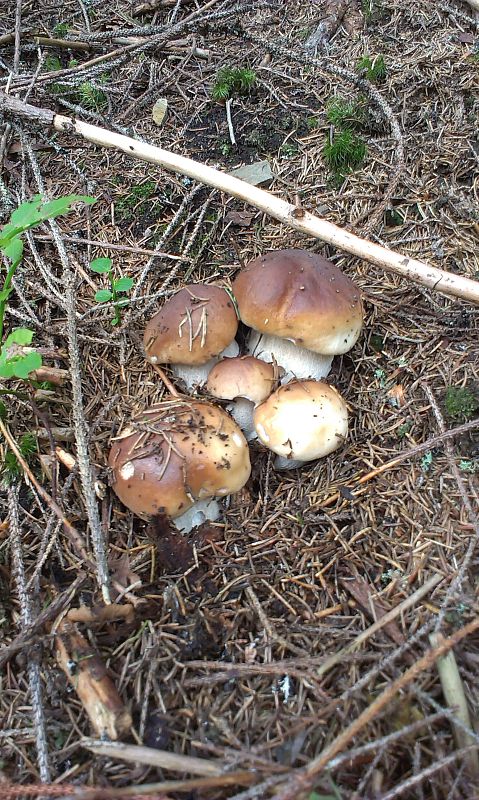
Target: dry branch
pixel 307 223
pixel 88 676
pixel 154 758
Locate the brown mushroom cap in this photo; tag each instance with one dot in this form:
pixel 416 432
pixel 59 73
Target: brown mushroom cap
pixel 194 325
pixel 302 420
pixel 244 376
pixel 175 453
pixel 300 296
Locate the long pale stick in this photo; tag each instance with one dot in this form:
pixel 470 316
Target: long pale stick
pixel 300 220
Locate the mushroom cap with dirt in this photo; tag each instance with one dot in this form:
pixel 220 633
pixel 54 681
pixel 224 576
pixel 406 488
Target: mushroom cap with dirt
pixel 175 454
pixel 303 311
pixel 191 330
pixel 246 381
pixel 302 421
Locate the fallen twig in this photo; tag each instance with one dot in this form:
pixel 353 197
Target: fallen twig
pixel 88 676
pixel 389 260
pixel 454 696
pixel 305 779
pixel 154 758
pixel 25 637
pixel 434 441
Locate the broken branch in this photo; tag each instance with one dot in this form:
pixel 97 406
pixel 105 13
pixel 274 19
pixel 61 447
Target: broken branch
pixel 389 260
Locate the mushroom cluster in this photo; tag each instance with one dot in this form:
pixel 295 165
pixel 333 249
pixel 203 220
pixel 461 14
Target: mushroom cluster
pixel 179 456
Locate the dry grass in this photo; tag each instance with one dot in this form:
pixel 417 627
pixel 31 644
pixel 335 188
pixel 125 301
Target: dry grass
pixel 224 662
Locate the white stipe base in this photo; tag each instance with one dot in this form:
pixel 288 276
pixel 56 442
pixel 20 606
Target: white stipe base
pixel 201 511
pixel 241 410
pixel 297 361
pixel 282 463
pixel 196 375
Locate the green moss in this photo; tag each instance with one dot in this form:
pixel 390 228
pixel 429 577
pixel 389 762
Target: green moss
pixel 460 403
pixel 134 197
pixel 11 471
pixel 346 113
pixel 374 69
pixel 344 153
pixel 233 80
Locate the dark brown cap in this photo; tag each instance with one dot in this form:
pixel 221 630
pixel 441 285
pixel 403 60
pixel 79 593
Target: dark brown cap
pixel 194 325
pixel 300 296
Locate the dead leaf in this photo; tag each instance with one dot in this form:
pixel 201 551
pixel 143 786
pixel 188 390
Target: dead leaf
pixel 365 595
pixel 122 572
pixel 240 217
pixel 396 395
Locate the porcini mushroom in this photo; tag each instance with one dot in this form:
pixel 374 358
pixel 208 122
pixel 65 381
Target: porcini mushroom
pixel 303 311
pixel 176 453
pixel 302 421
pixel 245 380
pixel 192 329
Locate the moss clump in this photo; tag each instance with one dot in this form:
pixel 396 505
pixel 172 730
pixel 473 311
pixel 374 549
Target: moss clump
pixel 349 114
pixel 374 69
pixel 344 153
pixel 460 403
pixel 233 80
pixel 134 197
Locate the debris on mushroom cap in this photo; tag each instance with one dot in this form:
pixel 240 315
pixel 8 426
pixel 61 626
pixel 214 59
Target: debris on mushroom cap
pixel 302 420
pixel 244 376
pixel 175 453
pixel 302 297
pixel 192 327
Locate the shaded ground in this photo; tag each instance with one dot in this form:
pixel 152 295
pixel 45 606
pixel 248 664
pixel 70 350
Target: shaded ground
pixel 230 661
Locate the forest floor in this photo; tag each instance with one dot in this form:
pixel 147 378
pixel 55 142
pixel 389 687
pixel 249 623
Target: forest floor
pixel 289 646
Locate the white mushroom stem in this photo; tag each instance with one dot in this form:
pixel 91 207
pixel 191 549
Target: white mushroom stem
pixel 241 410
pixel 196 375
pixel 202 511
pixel 297 361
pixel 282 463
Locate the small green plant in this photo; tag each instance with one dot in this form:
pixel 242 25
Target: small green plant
pixel 135 196
pixel 14 362
pixel 343 153
pixel 460 403
pixel 11 470
pixel 404 429
pixel 91 97
pixel 312 123
pixel 288 149
pixel 467 465
pixel 60 30
pixel 233 80
pixel 52 64
pixel 426 461
pixel 374 69
pixel 118 286
pixel 225 149
pixel 348 114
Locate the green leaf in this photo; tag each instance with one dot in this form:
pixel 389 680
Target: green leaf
pixel 5 294
pixel 22 367
pixel 62 205
pixel 6 367
pixel 101 265
pixel 123 284
pixel 103 296
pixel 20 336
pixel 27 214
pixel 115 321
pixel 14 250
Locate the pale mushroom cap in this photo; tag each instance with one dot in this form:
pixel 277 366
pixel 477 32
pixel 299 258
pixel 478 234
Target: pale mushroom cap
pixel 244 376
pixel 175 453
pixel 303 297
pixel 194 325
pixel 302 420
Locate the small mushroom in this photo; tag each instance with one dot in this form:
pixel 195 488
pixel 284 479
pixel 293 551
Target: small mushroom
pixel 176 453
pixel 303 311
pixel 191 331
pixel 302 421
pixel 245 380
